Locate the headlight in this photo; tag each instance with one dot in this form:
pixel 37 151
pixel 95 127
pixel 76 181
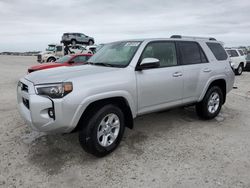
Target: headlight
pixel 57 90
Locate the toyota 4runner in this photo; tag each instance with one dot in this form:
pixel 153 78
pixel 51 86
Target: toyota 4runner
pixel 124 80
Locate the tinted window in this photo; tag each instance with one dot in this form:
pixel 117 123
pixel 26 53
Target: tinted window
pixel 59 48
pixel 191 53
pixel 218 51
pixel 81 59
pixel 164 51
pixel 241 53
pixel 232 53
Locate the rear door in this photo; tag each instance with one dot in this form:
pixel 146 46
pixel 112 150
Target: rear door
pixel 160 87
pixel 196 69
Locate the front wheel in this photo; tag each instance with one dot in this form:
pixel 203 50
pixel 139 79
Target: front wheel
pixel 103 131
pixel 211 104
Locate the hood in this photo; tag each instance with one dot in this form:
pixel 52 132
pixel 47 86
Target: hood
pixel 46 66
pixel 62 74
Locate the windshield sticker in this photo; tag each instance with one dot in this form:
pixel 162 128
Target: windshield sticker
pixel 132 44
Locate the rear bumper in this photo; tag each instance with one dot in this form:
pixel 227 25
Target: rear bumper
pixel 247 67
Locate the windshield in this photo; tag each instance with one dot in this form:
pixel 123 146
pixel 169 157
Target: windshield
pixel 51 48
pixel 64 59
pixel 117 54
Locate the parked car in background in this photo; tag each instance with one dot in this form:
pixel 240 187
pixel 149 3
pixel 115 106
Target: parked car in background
pixel 247 68
pixel 77 38
pixel 92 48
pixel 238 60
pixel 68 60
pixel 55 51
pixel 124 80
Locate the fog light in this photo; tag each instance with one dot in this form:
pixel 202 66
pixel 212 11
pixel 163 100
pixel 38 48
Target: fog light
pixel 51 113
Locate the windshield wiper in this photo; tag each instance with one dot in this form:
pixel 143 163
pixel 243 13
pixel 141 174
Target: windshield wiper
pixel 107 64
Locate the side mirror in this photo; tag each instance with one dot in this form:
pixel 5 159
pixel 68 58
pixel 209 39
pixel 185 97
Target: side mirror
pixel 71 62
pixel 148 63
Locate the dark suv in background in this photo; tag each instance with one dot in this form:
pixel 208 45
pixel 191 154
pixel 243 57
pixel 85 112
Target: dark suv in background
pixel 77 38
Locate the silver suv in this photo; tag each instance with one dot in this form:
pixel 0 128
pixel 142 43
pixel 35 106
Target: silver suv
pixel 124 80
pixel 77 38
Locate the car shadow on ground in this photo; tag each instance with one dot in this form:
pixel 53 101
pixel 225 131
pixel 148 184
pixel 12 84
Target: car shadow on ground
pixel 51 153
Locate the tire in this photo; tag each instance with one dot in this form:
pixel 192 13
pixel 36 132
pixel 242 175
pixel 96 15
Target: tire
pixel 91 42
pixel 95 137
pixel 206 111
pixel 51 59
pixel 73 42
pixel 239 70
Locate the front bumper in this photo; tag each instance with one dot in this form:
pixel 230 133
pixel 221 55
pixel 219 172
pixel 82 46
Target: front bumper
pixel 34 109
pixel 247 67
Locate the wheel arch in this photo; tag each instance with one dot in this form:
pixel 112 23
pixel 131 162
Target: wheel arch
pixel 50 57
pixel 220 82
pixel 119 101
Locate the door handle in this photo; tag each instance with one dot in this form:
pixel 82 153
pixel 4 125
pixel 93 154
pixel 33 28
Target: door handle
pixel 207 70
pixel 177 74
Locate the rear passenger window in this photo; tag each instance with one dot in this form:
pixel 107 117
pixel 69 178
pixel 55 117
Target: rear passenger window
pixel 191 53
pixel 164 51
pixel 218 51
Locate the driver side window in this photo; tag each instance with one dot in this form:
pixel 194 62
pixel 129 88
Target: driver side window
pixel 164 51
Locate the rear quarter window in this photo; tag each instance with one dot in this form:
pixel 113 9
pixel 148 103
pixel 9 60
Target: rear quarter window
pixel 218 51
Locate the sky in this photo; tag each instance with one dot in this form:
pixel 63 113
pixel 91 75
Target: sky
pixel 27 25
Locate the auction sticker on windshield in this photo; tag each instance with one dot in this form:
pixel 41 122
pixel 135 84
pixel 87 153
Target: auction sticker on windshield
pixel 132 44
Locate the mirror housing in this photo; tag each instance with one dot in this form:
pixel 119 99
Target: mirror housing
pixel 71 62
pixel 148 63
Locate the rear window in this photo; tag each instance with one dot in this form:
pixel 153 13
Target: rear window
pixel 232 53
pixel 217 50
pixel 191 53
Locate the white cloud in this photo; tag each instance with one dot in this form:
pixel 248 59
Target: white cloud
pixel 32 24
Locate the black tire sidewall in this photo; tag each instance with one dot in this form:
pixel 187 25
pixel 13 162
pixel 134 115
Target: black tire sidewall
pixel 91 42
pixel 51 58
pixel 202 107
pixel 89 133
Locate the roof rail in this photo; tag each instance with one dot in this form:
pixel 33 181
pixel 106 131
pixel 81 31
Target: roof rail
pixel 192 37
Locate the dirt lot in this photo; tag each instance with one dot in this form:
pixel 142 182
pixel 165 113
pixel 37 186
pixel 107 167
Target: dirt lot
pixel 168 149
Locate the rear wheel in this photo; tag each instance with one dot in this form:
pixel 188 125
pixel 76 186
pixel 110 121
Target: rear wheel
pixel 239 70
pixel 73 42
pixel 91 42
pixel 103 132
pixel 211 104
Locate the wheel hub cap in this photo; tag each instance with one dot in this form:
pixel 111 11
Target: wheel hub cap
pixel 108 130
pixel 213 102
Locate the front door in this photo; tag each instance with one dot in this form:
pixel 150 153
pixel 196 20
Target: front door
pixel 161 87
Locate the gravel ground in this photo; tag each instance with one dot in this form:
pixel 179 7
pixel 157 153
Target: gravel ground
pixel 168 149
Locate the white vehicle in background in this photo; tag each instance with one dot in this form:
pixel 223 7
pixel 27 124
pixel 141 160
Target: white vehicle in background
pixel 238 60
pixel 55 51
